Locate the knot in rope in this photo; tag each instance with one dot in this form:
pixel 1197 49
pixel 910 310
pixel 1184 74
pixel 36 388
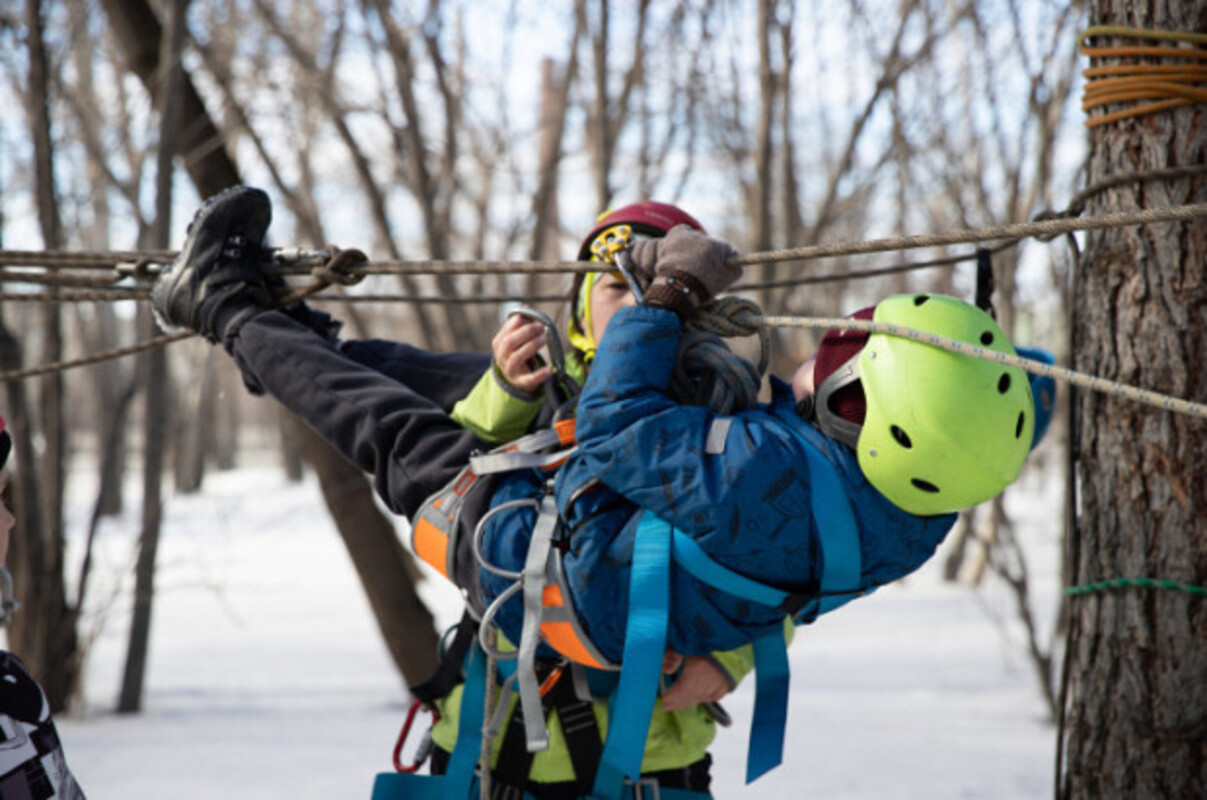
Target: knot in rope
pixel 1052 214
pixel 734 316
pixel 140 270
pixel 338 268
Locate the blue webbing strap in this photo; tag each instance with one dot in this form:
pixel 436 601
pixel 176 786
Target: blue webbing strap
pixel 765 750
pixel 690 556
pixel 460 773
pixel 459 780
pixel 842 572
pixel 842 564
pixel 644 645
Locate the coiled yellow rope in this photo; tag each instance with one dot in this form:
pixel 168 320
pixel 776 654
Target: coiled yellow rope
pixel 1149 87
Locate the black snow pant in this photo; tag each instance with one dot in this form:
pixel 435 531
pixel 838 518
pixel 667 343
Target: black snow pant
pixel 383 405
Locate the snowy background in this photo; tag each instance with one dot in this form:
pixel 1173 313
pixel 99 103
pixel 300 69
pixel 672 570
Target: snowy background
pixel 267 677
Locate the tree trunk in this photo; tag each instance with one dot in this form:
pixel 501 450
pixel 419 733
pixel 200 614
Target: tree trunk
pixel 45 634
pixel 379 558
pixel 404 620
pixel 139 33
pixel 168 100
pixel 1135 702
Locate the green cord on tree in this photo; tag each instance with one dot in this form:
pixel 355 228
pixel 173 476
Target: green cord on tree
pixel 1146 583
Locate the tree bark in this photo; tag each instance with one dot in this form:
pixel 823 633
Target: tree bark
pixel 1136 700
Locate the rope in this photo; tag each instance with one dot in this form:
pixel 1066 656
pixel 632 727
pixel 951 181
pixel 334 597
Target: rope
pixel 96 358
pixel 75 297
pixel 1127 583
pixel 1017 230
pixel 1077 204
pixel 1101 385
pixel 351 265
pixel 1012 231
pixel 338 269
pixel 1160 86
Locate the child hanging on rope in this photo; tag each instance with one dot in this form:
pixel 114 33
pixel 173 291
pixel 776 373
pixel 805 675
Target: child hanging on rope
pixel 846 481
pixel 421 387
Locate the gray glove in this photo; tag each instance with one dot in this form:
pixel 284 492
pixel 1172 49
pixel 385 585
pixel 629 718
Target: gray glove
pixel 689 268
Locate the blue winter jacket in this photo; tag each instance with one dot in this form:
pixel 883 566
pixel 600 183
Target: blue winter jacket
pixel 748 506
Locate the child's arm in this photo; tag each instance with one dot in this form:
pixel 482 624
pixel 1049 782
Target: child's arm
pixel 507 397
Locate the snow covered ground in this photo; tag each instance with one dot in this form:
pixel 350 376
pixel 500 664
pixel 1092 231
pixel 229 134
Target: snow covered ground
pixel 267 677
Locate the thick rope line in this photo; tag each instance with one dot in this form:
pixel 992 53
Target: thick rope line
pixel 748 321
pixel 76 297
pixel 84 259
pixel 1131 583
pixel 1020 230
pixel 1082 380
pixel 96 358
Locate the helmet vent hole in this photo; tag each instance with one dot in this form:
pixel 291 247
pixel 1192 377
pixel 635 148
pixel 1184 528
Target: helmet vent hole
pixel 1003 383
pixel 1018 429
pixel 902 437
pixel 919 299
pixel 925 486
pixel 987 338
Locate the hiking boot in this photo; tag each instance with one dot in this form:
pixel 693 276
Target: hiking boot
pixel 217 272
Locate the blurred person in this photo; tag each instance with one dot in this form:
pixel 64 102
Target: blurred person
pixel 32 765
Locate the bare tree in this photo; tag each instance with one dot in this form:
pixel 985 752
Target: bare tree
pixel 167 97
pixel 386 568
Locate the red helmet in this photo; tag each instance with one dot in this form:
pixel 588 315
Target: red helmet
pixel 648 217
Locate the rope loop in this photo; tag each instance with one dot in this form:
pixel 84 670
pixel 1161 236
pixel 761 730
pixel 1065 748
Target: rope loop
pixel 339 268
pixel 1051 214
pixel 734 316
pixel 709 374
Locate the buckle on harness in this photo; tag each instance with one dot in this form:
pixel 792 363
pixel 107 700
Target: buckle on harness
pixel 640 788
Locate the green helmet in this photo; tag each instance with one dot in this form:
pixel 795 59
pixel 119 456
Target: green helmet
pixel 942 431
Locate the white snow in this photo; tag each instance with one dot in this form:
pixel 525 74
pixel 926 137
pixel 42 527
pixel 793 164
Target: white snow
pixel 268 679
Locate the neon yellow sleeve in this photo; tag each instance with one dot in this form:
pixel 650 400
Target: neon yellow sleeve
pixel 494 411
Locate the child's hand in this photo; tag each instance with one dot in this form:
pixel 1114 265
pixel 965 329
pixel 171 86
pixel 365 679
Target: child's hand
pixel 700 681
pixel 515 347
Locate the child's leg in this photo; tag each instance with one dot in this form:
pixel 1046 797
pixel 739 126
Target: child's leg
pixel 443 378
pixel 404 440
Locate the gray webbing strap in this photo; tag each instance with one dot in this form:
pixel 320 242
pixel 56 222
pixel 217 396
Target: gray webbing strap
pixel 535 566
pixel 490 463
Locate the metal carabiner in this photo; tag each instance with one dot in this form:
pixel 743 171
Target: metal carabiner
pixel 624 265
pixel 425 745
pixel 560 380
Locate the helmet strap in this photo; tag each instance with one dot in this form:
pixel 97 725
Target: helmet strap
pixel 831 424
